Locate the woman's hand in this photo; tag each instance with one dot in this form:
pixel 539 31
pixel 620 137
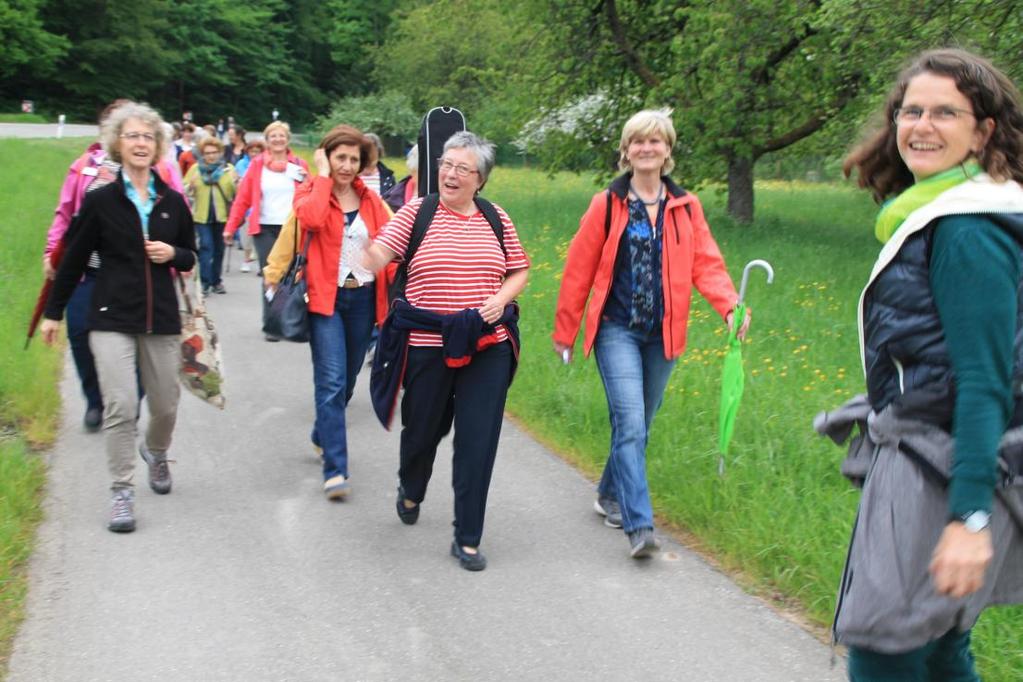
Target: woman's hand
pixel 564 352
pixel 960 560
pixel 49 272
pixel 228 238
pixel 322 164
pixel 48 331
pixel 741 334
pixel 270 286
pixel 159 252
pixel 492 309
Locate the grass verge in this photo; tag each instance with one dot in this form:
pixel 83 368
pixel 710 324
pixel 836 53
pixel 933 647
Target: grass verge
pixel 31 172
pixel 24 118
pixel 780 516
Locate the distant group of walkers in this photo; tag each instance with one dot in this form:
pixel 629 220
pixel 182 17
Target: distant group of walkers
pixel 942 336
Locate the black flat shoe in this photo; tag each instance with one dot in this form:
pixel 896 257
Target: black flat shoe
pixel 470 562
pixel 408 515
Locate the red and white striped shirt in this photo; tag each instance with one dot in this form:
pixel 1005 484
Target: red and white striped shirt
pixel 458 265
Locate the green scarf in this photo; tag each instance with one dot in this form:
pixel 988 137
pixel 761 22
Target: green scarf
pixel 894 212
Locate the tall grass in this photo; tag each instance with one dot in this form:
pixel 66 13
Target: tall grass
pixel 781 514
pixel 31 172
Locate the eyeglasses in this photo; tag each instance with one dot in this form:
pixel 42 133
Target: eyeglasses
pixel 942 115
pixel 443 166
pixel 136 137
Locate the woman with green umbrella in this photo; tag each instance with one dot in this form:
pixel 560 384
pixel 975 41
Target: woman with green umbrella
pixel 641 247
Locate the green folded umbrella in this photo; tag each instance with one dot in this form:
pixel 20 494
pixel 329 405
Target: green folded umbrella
pixel 733 376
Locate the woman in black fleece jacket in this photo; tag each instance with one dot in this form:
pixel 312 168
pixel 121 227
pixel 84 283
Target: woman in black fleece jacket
pixel 140 230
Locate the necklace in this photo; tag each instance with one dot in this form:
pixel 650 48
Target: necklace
pixel 656 200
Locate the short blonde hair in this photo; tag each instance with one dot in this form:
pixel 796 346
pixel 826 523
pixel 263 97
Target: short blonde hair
pixel 277 125
pixel 647 123
pixel 113 124
pixel 211 141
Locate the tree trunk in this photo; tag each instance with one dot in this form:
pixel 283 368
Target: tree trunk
pixel 740 188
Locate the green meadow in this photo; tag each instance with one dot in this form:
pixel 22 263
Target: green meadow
pixel 32 172
pixel 779 518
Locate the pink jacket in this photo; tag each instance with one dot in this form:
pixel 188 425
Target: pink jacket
pixel 249 195
pixel 78 179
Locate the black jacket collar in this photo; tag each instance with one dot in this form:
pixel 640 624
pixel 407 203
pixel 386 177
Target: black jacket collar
pixel 161 186
pixel 620 186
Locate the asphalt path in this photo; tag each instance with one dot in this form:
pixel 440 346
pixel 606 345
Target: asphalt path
pixel 246 572
pixel 47 130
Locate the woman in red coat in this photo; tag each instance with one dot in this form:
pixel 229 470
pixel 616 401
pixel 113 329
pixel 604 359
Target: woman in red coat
pixel 268 189
pixel 339 216
pixel 640 265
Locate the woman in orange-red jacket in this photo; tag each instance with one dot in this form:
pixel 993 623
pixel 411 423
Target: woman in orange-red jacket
pixel 640 264
pixel 340 216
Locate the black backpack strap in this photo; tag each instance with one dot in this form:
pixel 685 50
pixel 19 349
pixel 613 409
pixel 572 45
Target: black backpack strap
pixel 607 217
pixel 490 213
pixel 424 216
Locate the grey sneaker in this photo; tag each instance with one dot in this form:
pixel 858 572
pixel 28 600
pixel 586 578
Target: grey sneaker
pixel 122 511
pixel 643 543
pixel 159 471
pixel 610 510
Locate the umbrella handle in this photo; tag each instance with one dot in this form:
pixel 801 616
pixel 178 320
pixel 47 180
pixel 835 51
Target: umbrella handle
pixel 758 263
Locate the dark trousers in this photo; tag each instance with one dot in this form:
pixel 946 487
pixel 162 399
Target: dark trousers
pixel 264 243
pixel 946 659
pixel 211 252
pixel 77 314
pixel 473 398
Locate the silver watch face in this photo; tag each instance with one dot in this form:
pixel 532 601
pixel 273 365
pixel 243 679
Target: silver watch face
pixel 977 521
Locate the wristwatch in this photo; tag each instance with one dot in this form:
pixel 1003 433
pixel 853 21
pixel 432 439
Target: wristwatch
pixel 975 521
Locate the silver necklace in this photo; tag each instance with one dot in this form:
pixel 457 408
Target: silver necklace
pixel 656 200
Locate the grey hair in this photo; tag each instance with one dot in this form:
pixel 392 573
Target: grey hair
pixel 483 150
pixel 375 139
pixel 412 159
pixel 110 130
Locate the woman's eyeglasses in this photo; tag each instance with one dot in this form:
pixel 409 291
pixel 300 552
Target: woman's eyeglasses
pixel 938 115
pixel 138 137
pixel 444 166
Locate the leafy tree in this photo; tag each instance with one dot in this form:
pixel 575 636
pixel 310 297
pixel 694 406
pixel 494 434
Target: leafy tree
pixel 749 77
pixel 476 56
pixel 27 45
pixel 387 113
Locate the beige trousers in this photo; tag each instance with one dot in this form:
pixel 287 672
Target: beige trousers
pixel 157 357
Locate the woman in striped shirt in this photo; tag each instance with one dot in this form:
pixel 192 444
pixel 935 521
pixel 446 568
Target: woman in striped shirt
pixel 463 275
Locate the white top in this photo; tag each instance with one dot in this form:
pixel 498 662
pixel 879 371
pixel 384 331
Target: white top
pixel 352 245
pixel 277 191
pixel 373 182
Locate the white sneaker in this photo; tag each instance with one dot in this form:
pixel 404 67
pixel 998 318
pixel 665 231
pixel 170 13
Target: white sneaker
pixel 245 266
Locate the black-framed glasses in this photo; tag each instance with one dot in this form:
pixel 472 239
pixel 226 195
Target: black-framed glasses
pixel 939 115
pixel 462 170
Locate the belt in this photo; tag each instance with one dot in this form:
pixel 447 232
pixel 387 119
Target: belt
pixel 352 283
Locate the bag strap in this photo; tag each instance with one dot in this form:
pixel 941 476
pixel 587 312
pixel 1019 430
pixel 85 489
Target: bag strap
pixel 184 295
pixel 490 213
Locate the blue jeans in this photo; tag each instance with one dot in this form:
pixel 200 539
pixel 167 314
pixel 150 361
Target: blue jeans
pixel 338 343
pixel 211 252
pixel 77 314
pixel 634 371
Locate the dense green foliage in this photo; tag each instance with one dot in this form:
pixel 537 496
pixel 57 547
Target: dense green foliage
pixel 746 79
pixel 212 57
pixel 781 514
